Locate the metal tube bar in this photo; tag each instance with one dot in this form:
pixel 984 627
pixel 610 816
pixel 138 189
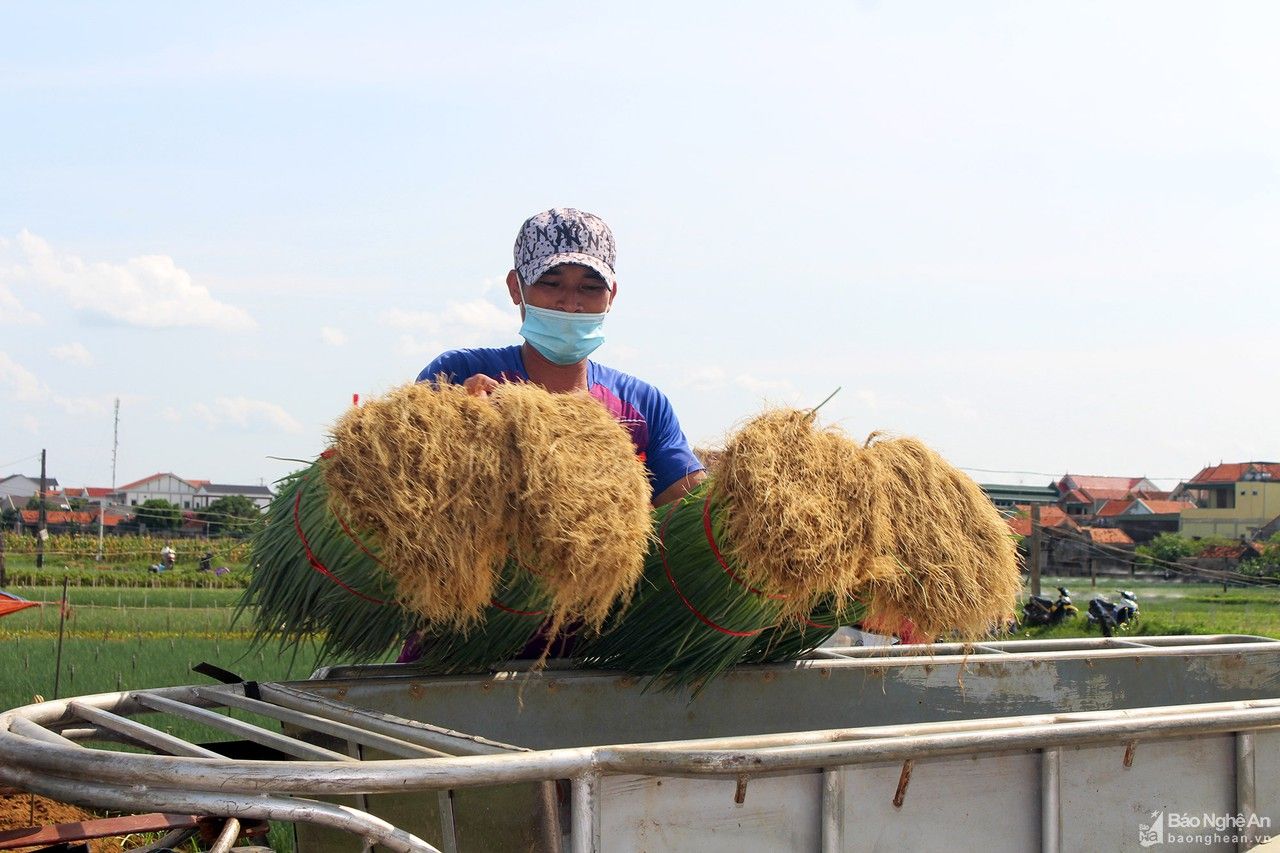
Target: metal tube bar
pixel 585 813
pixel 448 829
pixel 690 758
pixel 1213 641
pixel 422 734
pixel 642 759
pixel 1051 800
pixel 1246 787
pixel 26 728
pixel 227 838
pixel 832 810
pixel 257 807
pixel 239 728
pixel 386 743
pixel 137 731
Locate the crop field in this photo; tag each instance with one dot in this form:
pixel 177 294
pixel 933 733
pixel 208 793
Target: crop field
pixel 1173 608
pixel 122 639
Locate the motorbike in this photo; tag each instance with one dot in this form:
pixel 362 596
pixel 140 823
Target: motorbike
pixel 1042 610
pixel 1112 616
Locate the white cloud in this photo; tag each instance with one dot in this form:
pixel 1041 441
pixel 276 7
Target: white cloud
pixel 713 377
pixel 30 423
pixel 24 386
pixel 149 291
pixel 475 316
pixel 12 313
pixel 459 324
pixel 172 415
pixel 80 406
pixel 243 412
pixel 411 346
pixel 73 353
pixel 756 385
pixel 333 337
pixel 868 398
pixel 704 378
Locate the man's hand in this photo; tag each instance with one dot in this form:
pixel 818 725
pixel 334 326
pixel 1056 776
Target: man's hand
pixel 480 385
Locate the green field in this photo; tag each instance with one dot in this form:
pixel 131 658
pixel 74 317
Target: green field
pixel 1167 607
pixel 122 639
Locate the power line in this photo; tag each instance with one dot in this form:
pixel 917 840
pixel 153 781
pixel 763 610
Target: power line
pixel 16 461
pixel 1055 477
pixel 1133 559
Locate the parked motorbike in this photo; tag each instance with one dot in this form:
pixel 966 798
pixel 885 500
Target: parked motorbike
pixel 1042 610
pixel 1112 616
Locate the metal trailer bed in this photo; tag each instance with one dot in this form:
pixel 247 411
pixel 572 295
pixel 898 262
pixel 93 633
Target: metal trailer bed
pixel 1052 745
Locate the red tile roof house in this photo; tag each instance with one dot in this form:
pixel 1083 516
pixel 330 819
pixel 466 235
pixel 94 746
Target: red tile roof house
pixel 1143 519
pixel 1227 558
pixel 1084 495
pixel 1236 500
pixel 59 521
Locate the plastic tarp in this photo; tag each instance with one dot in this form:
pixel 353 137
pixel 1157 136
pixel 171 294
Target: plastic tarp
pixel 10 603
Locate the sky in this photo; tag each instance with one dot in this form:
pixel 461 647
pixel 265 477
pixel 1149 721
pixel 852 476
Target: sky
pixel 1043 237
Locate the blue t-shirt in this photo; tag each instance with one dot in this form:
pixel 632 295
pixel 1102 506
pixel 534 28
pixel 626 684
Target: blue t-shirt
pixel 643 410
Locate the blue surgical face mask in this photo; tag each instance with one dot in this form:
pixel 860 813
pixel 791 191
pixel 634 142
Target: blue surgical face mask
pixel 562 337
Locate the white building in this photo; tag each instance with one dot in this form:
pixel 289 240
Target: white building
pixel 167 486
pixel 210 492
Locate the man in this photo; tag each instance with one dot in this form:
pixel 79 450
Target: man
pixel 565 285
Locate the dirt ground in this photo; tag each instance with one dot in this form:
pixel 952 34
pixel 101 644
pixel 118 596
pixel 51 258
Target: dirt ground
pixel 15 813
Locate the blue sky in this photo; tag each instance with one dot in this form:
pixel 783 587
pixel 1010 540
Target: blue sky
pixel 1043 237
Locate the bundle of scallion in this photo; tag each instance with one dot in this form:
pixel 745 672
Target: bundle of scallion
pixel 794 638
pixel 314 579
pixel 512 619
pixel 693 615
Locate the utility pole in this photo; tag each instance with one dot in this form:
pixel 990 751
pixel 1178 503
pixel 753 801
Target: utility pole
pixel 102 502
pixel 40 524
pixel 3 582
pixel 1035 549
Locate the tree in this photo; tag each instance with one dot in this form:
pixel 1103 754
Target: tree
pixel 1167 548
pixel 231 514
pixel 159 514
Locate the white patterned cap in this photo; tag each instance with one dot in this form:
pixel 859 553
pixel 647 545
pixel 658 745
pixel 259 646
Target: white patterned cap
pixel 563 235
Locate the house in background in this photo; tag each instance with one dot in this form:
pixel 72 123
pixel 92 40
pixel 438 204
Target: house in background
pixel 164 486
pixel 59 521
pixel 1081 496
pixel 210 492
pixel 23 488
pixel 1007 497
pixel 1236 500
pixel 1142 519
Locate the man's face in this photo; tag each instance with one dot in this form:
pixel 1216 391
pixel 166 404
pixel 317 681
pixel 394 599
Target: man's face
pixel 574 288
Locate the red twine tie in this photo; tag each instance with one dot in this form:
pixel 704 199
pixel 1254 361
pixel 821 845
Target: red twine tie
pixel 662 550
pixel 311 557
pixel 724 564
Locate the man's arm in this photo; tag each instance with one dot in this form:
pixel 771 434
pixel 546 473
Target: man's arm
pixel 680 488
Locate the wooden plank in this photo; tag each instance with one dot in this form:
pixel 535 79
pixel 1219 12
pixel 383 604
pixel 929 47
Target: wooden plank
pixel 102 828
